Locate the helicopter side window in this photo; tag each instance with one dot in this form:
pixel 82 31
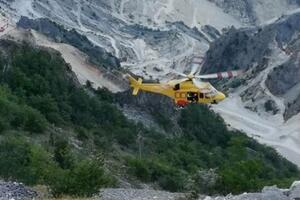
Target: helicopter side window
pixel 207 96
pixel 179 95
pixel 201 96
pixel 210 94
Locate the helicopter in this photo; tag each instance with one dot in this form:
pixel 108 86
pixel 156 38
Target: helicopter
pixel 189 89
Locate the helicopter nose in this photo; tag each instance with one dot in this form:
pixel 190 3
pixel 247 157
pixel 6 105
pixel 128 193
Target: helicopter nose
pixel 220 96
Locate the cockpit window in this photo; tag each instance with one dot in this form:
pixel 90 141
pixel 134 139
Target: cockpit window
pixel 211 93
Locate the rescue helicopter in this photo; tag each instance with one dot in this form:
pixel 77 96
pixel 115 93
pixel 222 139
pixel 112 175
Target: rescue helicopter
pixel 190 89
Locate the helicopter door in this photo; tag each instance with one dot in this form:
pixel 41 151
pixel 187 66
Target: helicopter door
pixel 192 97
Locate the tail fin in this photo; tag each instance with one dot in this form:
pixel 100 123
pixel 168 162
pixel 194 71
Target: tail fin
pixel 135 84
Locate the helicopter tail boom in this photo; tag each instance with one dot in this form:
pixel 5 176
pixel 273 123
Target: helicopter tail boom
pixel 135 84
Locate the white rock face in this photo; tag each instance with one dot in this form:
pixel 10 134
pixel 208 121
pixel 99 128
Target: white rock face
pixel 259 11
pixel 266 128
pixel 147 49
pixel 144 50
pixel 276 80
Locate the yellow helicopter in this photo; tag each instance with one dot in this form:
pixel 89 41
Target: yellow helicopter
pixel 188 90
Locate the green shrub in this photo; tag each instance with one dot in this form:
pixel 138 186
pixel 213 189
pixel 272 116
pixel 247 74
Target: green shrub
pixel 86 178
pixel 23 161
pixel 153 170
pixel 241 176
pixel 35 122
pixel 206 126
pixel 140 169
pixel 63 155
pixel 4 125
pixel 31 164
pixel 16 115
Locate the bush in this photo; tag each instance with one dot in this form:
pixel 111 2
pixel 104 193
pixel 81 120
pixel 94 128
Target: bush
pixel 15 115
pixel 206 126
pixel 35 122
pixel 4 125
pixel 63 155
pixel 241 176
pixel 20 160
pixel 153 170
pixel 24 162
pixel 86 178
pixel 140 169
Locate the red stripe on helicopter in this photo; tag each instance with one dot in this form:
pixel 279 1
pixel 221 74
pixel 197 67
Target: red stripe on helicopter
pixel 182 103
pixel 230 74
pixel 219 75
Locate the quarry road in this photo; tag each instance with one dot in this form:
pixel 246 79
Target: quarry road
pixel 79 64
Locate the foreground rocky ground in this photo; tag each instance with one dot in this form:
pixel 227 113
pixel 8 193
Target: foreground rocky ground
pixel 17 191
pixel 134 194
pixel 268 193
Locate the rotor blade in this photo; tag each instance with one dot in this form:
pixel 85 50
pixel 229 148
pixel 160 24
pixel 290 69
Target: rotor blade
pixel 196 64
pixel 194 69
pixel 221 75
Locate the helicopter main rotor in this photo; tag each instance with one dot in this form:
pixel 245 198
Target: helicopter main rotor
pixel 197 79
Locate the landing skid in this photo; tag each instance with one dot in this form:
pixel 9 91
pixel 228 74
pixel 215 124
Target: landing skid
pixel 178 108
pixel 214 102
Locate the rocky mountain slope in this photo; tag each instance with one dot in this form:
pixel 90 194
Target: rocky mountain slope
pixel 269 54
pixel 259 11
pixel 159 42
pixel 75 139
pixel 271 50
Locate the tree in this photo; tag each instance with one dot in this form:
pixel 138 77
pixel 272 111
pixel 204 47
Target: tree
pixel 63 155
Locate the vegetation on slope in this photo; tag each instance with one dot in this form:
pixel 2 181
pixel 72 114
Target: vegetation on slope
pixel 55 132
